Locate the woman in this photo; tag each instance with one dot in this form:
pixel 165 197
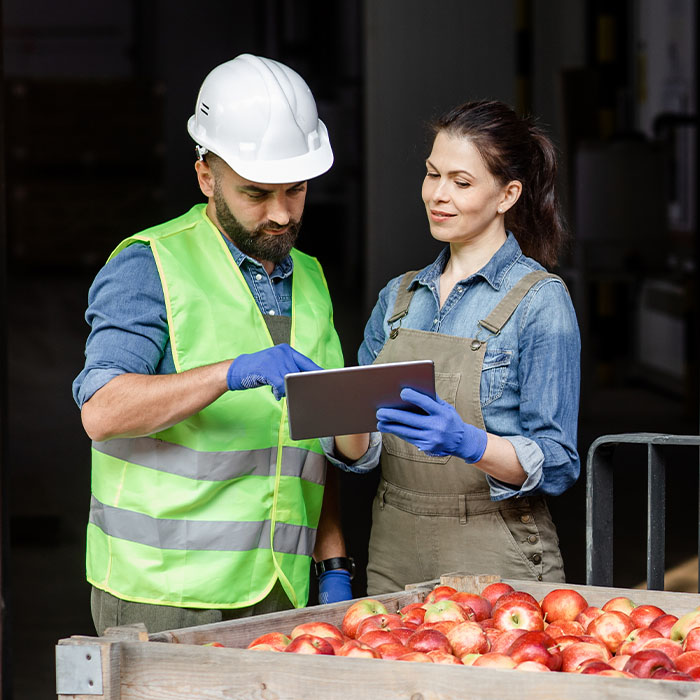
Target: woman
pixel 464 479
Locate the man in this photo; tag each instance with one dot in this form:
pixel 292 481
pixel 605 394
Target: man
pixel 202 506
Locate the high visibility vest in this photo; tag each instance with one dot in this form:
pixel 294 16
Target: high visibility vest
pixel 211 512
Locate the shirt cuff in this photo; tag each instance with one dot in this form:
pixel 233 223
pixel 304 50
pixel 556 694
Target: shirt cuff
pixel 95 379
pixel 531 459
pixel 366 463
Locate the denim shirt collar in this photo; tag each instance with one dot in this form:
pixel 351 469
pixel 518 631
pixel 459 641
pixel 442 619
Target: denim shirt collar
pixel 493 272
pixel 282 269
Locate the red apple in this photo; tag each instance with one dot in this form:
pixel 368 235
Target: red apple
pixel 518 614
pixel 618 661
pixel 336 643
pixel 439 593
pixel 426 640
pixel 664 674
pixel 575 655
pixel 443 625
pixel 567 640
pixel 358 611
pixel 672 649
pixel 411 606
pixel 562 604
pixel 382 621
pixel 219 644
pixel 536 646
pixel 611 628
pixel 688 660
pixel 684 624
pixel 413 616
pixel 636 638
pixel 692 640
pixel 645 662
pixel 392 650
pixel 402 633
pixel 487 623
pixel 442 657
pixel 480 606
pixel 494 660
pixel 594 667
pixel 276 640
pixel 505 640
pixel 494 591
pixel 644 615
pixel 621 604
pixel 588 614
pixel 468 638
pixel 357 649
pixel 664 624
pixel 319 629
pixel 375 638
pixel 415 656
pixel 515 596
pixel 444 609
pixel 309 644
pixel 561 628
pixel 531 666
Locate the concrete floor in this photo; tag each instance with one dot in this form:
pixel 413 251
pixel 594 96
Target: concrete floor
pixel 49 476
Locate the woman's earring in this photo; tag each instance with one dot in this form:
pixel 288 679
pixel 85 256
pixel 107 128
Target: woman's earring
pixel 500 210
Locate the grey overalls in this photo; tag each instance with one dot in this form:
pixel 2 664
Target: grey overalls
pixel 434 515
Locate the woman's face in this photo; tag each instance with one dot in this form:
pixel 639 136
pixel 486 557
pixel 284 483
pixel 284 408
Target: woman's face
pixel 461 196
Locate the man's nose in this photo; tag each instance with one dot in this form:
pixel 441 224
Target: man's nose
pixel 278 211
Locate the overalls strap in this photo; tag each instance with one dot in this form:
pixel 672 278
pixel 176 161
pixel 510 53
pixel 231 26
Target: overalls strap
pixel 498 318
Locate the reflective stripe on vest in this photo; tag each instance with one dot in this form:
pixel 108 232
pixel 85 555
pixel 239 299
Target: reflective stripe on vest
pixel 212 511
pixel 213 466
pixel 203 535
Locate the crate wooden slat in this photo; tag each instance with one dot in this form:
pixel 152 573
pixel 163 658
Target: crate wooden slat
pixel 174 665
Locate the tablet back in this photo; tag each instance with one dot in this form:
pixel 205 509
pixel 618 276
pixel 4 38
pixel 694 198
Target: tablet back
pixel 343 401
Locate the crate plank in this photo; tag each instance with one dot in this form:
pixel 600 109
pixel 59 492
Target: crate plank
pixel 154 671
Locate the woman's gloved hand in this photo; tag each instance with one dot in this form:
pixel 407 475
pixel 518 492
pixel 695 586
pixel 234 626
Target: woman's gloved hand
pixel 267 366
pixel 334 586
pixel 438 431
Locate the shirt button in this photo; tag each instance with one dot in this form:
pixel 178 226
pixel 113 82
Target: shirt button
pixel 271 312
pixel 539 577
pixel 532 539
pixel 525 518
pixel 258 277
pixel 537 558
pixel 435 322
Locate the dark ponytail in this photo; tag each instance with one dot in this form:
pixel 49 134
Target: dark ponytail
pixel 515 148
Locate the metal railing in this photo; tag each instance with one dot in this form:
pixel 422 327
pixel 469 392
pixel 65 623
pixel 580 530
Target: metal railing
pixel 599 505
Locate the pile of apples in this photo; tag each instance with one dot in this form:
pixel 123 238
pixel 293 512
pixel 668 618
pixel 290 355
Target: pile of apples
pixel 510 629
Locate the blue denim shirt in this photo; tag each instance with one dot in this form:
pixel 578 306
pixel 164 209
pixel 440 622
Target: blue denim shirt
pixel 530 377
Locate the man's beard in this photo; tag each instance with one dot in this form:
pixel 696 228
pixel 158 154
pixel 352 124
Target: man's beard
pixel 256 243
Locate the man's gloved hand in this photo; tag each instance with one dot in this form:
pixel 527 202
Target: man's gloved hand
pixel 441 432
pixel 334 586
pixel 267 367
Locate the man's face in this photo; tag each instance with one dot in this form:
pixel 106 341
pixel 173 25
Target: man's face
pixel 262 220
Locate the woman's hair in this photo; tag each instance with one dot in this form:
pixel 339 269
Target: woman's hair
pixel 514 148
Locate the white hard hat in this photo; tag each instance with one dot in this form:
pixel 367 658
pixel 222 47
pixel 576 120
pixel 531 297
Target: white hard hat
pixel 260 117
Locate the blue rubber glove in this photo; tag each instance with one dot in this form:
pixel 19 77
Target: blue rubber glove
pixel 267 366
pixel 334 586
pixel 441 432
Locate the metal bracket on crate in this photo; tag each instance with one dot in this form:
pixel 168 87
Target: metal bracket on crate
pixel 79 670
pixel 599 505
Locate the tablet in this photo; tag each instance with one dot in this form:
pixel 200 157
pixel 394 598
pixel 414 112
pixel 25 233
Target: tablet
pixel 343 401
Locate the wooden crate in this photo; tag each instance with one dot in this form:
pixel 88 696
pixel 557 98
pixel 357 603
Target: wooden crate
pixel 129 664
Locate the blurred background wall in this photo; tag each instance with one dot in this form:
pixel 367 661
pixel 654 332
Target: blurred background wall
pixel 95 101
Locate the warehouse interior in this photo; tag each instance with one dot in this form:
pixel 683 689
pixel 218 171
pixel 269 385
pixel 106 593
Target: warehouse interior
pixel 94 147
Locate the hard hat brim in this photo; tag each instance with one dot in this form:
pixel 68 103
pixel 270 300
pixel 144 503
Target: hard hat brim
pixel 287 170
